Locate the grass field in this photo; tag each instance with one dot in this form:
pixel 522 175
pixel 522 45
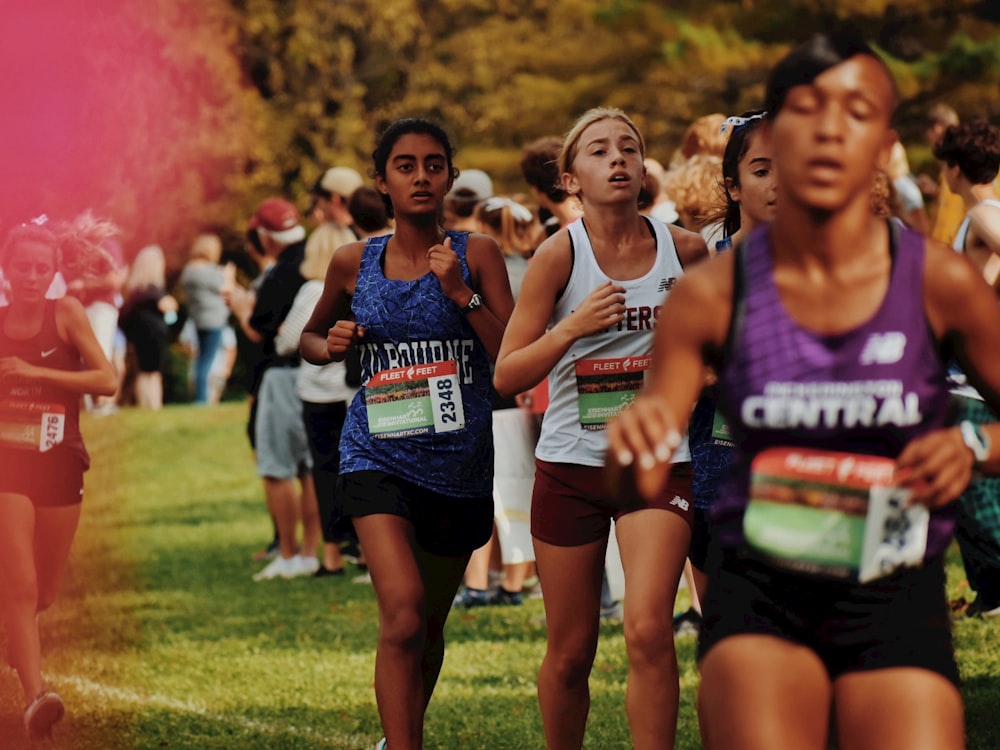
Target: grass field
pixel 161 640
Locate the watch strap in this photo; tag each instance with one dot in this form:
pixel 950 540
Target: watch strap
pixel 474 303
pixel 975 440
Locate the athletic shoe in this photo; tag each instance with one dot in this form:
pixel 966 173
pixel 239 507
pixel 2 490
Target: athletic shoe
pixel 534 587
pixel 350 551
pixel 42 714
pixel 980 608
pixel 305 566
pixel 324 571
pixel 363 578
pixel 612 612
pixel 687 623
pixel 381 744
pixel 279 567
pixel 470 598
pixel 503 596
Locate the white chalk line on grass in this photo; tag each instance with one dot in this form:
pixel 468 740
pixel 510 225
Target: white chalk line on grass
pixel 127 696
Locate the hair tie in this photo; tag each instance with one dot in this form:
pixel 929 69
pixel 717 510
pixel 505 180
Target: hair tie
pixel 735 122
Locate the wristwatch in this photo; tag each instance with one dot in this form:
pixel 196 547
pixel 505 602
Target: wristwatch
pixel 474 304
pixel 975 440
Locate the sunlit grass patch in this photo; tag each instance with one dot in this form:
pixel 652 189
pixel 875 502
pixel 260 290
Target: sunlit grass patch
pixel 160 638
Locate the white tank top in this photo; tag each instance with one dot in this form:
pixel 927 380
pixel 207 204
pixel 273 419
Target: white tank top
pixel 602 373
pixel 963 228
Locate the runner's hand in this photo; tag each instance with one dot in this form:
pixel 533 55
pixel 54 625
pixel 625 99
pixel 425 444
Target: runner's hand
pixel 602 308
pixel 341 336
pixel 935 467
pixel 15 368
pixel 641 441
pixel 445 266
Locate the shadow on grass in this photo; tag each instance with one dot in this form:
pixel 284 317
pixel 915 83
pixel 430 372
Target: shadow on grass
pixel 982 699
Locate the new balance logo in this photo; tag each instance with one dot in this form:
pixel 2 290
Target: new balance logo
pixel 666 284
pixel 883 348
pixel 680 502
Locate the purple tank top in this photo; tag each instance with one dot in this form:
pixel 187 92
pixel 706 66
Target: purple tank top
pixel 870 390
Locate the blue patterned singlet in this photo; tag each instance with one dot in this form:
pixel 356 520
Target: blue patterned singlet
pixel 412 323
pixel 869 390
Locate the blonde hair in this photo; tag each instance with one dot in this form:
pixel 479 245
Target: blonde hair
pixel 317 258
pixel 77 244
pixel 656 169
pixel 705 136
pixel 571 143
pixel 509 223
pixel 206 247
pixel 696 189
pixel 35 233
pixel 148 269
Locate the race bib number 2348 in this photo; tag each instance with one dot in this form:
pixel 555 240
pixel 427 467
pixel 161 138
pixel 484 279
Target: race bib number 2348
pixel 415 400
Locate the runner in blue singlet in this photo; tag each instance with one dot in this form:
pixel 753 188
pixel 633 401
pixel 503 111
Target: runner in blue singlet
pixel 426 309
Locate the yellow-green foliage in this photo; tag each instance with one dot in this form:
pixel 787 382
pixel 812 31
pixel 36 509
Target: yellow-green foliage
pixel 229 101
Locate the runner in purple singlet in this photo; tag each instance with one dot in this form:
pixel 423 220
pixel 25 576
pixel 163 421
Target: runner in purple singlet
pixel 829 331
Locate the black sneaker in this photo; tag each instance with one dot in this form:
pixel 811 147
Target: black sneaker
pixel 981 608
pixel 687 623
pixel 502 596
pixel 350 551
pixel 470 598
pixel 322 572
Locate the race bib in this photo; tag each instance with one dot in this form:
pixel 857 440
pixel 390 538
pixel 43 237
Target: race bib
pixel 606 386
pixel 721 433
pixel 416 400
pixel 30 425
pixel 832 514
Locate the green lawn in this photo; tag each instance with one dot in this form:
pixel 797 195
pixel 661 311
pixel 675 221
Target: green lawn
pixel 161 639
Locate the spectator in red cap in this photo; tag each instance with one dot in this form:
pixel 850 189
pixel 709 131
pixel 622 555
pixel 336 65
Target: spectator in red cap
pixel 280 437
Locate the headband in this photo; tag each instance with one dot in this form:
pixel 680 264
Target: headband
pixel 736 123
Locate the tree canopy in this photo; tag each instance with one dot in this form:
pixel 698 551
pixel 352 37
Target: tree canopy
pixel 173 116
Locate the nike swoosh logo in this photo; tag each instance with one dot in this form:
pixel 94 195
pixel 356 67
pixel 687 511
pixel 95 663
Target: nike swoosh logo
pixel 49 352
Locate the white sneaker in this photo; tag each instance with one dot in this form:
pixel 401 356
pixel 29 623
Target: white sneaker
pixel 279 567
pixel 381 744
pixel 363 578
pixel 306 566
